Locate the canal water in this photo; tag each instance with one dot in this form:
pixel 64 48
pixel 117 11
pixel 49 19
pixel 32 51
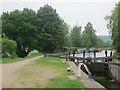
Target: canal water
pixel 91 54
pixel 104 78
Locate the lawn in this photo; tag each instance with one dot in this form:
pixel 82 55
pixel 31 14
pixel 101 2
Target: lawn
pixel 11 60
pixel 60 81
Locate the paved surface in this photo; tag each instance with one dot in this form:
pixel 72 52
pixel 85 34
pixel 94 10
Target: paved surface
pixel 7 70
pixel 90 83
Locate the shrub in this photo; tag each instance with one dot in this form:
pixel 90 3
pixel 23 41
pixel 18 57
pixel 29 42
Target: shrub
pixel 8 47
pixel 33 52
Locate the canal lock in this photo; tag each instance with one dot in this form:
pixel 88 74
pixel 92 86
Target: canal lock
pixel 101 72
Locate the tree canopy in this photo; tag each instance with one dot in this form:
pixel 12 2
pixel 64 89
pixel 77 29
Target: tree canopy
pixel 76 36
pixel 89 36
pixel 114 26
pixel 43 30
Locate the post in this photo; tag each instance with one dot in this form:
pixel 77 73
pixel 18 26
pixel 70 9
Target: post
pixel 69 53
pixel 94 54
pixel 66 56
pixel 73 55
pixel 106 55
pixel 83 53
pixel 111 53
pixel 111 56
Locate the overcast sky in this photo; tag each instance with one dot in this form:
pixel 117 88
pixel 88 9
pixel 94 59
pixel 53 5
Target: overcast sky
pixel 74 12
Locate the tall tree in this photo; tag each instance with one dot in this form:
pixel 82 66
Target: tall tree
pixel 114 26
pixel 53 29
pixel 89 37
pixel 76 36
pixel 21 27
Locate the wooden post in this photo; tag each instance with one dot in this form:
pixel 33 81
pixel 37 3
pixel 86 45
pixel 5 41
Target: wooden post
pixel 83 53
pixel 106 55
pixel 69 55
pixel 111 53
pixel 94 54
pixel 73 55
pixel 66 56
pixel 111 56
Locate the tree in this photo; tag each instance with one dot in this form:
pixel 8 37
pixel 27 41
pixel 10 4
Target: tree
pixel 21 27
pixel 76 36
pixel 53 29
pixel 89 36
pixel 44 31
pixel 86 43
pixel 114 26
pixel 8 47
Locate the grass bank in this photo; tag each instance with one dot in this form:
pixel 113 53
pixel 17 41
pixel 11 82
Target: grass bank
pixel 11 60
pixel 62 80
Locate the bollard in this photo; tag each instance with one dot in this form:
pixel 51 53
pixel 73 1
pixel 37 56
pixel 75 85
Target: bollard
pixel 94 54
pixel 69 53
pixel 84 53
pixel 111 56
pixel 73 55
pixel 111 53
pixel 106 55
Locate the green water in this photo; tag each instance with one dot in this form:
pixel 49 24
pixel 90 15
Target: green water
pixel 106 80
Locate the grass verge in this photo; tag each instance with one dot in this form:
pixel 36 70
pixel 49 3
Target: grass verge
pixel 62 80
pixel 11 60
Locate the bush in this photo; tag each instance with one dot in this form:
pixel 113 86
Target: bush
pixel 33 52
pixel 8 48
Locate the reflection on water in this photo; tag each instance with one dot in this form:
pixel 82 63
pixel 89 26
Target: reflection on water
pixel 98 54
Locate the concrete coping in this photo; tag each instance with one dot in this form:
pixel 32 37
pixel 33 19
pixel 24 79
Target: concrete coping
pixel 90 83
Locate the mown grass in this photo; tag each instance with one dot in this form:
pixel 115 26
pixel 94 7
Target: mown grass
pixel 59 66
pixel 62 80
pixel 11 60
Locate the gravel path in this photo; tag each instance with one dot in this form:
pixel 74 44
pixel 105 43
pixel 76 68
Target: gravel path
pixel 7 71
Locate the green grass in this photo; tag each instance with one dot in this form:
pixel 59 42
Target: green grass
pixel 62 80
pixel 11 60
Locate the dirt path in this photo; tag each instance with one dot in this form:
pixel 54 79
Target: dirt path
pixel 7 71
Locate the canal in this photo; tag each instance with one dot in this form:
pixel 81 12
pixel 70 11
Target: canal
pixel 91 54
pixel 105 78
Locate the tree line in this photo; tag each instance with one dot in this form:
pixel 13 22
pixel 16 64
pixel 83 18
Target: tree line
pixel 114 26
pixel 45 31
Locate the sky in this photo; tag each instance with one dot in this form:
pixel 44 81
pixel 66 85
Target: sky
pixel 74 12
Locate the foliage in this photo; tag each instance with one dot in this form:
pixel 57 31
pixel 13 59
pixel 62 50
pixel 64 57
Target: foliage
pixel 43 30
pixel 76 36
pixel 8 47
pixel 53 29
pixel 89 36
pixel 114 26
pixel 33 52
